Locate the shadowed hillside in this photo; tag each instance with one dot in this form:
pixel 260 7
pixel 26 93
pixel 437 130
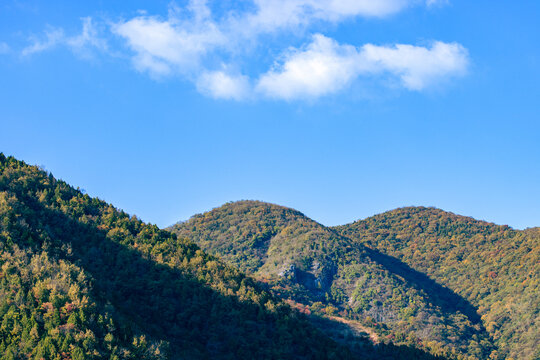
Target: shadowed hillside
pixel 83 280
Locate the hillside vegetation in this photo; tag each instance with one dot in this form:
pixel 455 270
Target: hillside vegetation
pixel 80 279
pixel 496 268
pixel 331 274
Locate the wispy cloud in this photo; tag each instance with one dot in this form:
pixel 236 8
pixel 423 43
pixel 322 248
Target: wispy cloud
pixel 220 85
pixel 80 44
pixel 89 38
pixel 274 15
pixel 53 37
pixel 437 2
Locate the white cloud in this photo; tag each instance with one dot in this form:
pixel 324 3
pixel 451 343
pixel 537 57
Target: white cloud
pixel 172 45
pixel 418 67
pixel 178 43
pixel 271 16
pixel 325 67
pixel 190 38
pixel 192 42
pixel 220 85
pixel 274 14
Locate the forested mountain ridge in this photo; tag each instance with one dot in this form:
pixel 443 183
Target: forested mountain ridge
pixel 330 273
pixel 494 267
pixel 80 279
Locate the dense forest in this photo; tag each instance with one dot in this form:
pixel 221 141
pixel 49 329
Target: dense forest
pixel 496 268
pixel 81 279
pixel 328 273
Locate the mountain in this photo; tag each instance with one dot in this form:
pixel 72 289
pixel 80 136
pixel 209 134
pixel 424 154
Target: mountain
pixel 80 279
pixel 325 272
pixel 496 268
pixel 268 239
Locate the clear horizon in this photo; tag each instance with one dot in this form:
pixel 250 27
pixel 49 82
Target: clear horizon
pixel 341 110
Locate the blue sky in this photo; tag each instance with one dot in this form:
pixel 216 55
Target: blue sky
pixel 341 109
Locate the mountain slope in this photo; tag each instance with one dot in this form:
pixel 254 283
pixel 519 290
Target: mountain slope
pixel 82 280
pixel 268 239
pixel 304 261
pixel 494 267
